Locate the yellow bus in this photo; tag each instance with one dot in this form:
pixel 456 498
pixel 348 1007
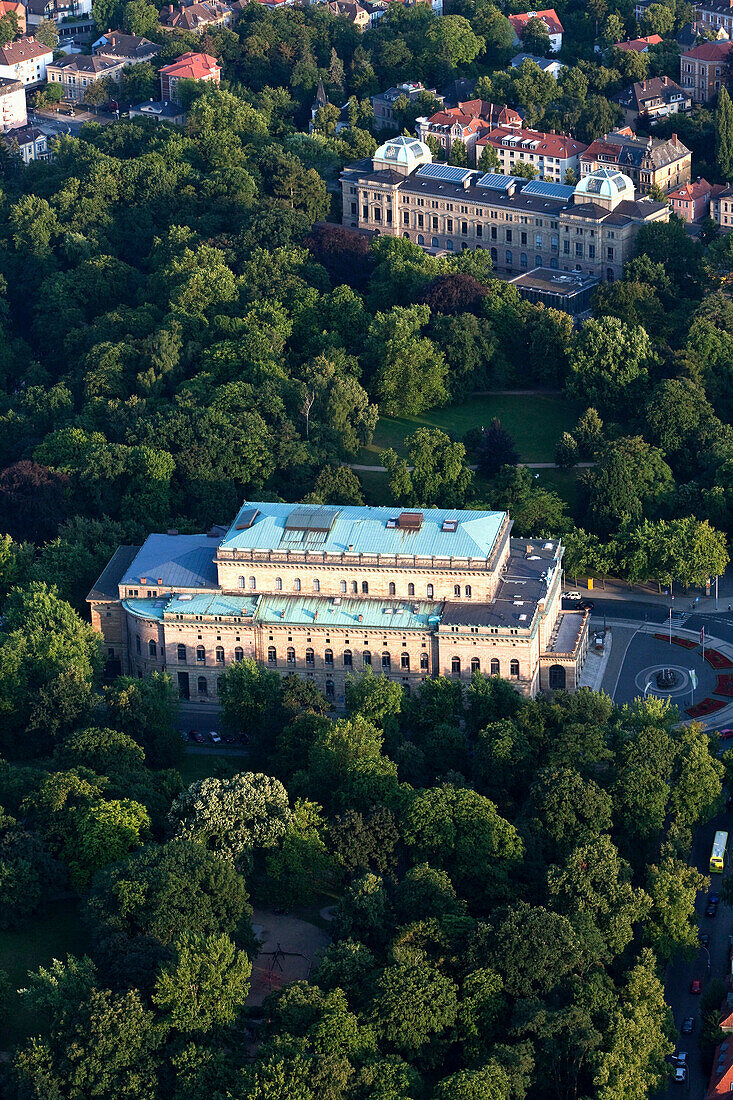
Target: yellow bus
pixel 717 856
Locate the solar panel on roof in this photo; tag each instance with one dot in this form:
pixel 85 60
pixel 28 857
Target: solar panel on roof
pixel 548 190
pixel 496 181
pixel 449 173
pixel 247 518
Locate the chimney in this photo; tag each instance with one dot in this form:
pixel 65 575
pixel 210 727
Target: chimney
pixel 674 139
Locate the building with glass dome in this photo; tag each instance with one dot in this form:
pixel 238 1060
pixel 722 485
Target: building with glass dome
pixel 589 228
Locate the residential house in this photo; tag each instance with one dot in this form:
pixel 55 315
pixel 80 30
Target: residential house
pixel 25 60
pixel 383 103
pixel 648 162
pixel 466 123
pixel 653 99
pixel 125 47
pixel 71 16
pixel 716 15
pixel 325 592
pixel 639 45
pixel 12 103
pixel 551 154
pixel 689 36
pixel 375 9
pixel 197 17
pixel 352 11
pixel 549 17
pixel 189 66
pixel 547 64
pixel 28 142
pixel 721 208
pixel 692 202
pixel 10 7
pixel 160 111
pixel 705 68
pixel 76 72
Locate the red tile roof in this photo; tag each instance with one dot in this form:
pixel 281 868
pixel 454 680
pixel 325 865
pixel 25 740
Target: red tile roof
pixel 22 49
pixel 639 45
pixel 709 51
pixel 692 191
pixel 549 17
pixel 548 145
pixel 192 66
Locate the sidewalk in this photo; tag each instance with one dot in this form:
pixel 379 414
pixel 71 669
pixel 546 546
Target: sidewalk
pixel 615 589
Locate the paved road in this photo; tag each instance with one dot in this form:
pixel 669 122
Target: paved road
pixel 681 973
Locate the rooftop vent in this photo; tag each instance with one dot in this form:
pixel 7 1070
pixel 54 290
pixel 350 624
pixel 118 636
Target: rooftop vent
pixel 246 519
pixel 336 600
pixel 143 580
pixel 189 597
pixel 392 523
pixel 160 580
pixel 410 521
pixel 449 525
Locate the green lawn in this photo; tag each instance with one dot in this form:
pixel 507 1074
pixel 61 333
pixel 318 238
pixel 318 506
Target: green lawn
pixel 54 935
pixel 536 422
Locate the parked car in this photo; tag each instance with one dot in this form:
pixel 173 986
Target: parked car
pixel 214 737
pixel 680 1058
pixel 228 738
pixel 688 1025
pixel 197 736
pixel 725 734
pixel 695 986
pixel 680 1075
pixel 67 111
pixel 711 909
pixel 714 898
pixel 572 596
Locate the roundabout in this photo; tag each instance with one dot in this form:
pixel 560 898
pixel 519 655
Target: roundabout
pixel 665 681
pixel 651 666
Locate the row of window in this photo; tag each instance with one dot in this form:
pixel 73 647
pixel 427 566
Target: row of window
pixel 353 587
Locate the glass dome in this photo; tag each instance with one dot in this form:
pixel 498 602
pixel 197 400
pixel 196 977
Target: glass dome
pixel 403 152
pixel 605 183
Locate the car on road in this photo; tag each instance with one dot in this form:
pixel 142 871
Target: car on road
pixel 680 1075
pixel 711 909
pixel 572 596
pixel 704 939
pixel 228 738
pixel 714 899
pixel 725 734
pixel 214 737
pixel 197 736
pixel 680 1058
pixel 688 1025
pixel 696 986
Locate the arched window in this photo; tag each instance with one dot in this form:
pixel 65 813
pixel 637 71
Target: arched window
pixel 137 643
pixel 423 662
pixel 449 245
pixel 557 677
pixel 420 239
pixel 430 591
pixel 354 588
pixel 509 257
pixel 386 660
pixel 405 662
pixel 467 591
pixel 203 686
pixel 152 648
pixel 365 588
pixel 366 658
pixel 475 664
pixel 316 584
pixel 219 684
pixel 495 666
pixel 291 655
pixel 242 582
pixel 435 243
pixel 538 261
pixel 329 689
pixel 609 274
pixel 457 590
pixel 271 655
pixel 278 584
pixel 514 668
pixel 239 653
pixel 347 658
pixel 411 590
pixel 181 652
pixel 220 654
pixel 328 657
pixel 523 259
pixel 200 655
pixel 494 255
pixel 455 666
pixel 392 588
pixel 342 587
pixel 296 584
pixel 253 583
pixel 310 658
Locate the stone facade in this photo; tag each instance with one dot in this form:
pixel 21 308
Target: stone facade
pixel 395 600
pixel 589 228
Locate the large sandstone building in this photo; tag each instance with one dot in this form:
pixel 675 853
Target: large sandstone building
pixel 329 591
pixel 589 228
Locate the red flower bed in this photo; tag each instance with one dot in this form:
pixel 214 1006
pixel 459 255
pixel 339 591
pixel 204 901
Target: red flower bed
pixel 724 685
pixel 684 642
pixel 707 706
pixel 716 659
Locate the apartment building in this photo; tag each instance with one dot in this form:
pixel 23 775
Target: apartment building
pixel 549 17
pixel 13 112
pixel 466 123
pixel 649 162
pixel 189 66
pixel 551 154
pixel 25 60
pixel 704 69
pixel 653 99
pixel 76 72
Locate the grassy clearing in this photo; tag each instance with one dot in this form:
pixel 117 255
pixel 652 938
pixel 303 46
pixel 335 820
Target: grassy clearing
pixel 536 422
pixel 54 935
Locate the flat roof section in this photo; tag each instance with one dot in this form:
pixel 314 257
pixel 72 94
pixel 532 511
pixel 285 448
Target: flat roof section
pixel 564 283
pixel 354 614
pixel 524 583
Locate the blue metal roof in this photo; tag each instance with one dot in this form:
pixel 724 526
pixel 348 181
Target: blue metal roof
pixel 549 190
pixel 497 181
pixel 448 172
pixel 207 604
pixel 175 561
pixel 355 614
pixel 370 531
